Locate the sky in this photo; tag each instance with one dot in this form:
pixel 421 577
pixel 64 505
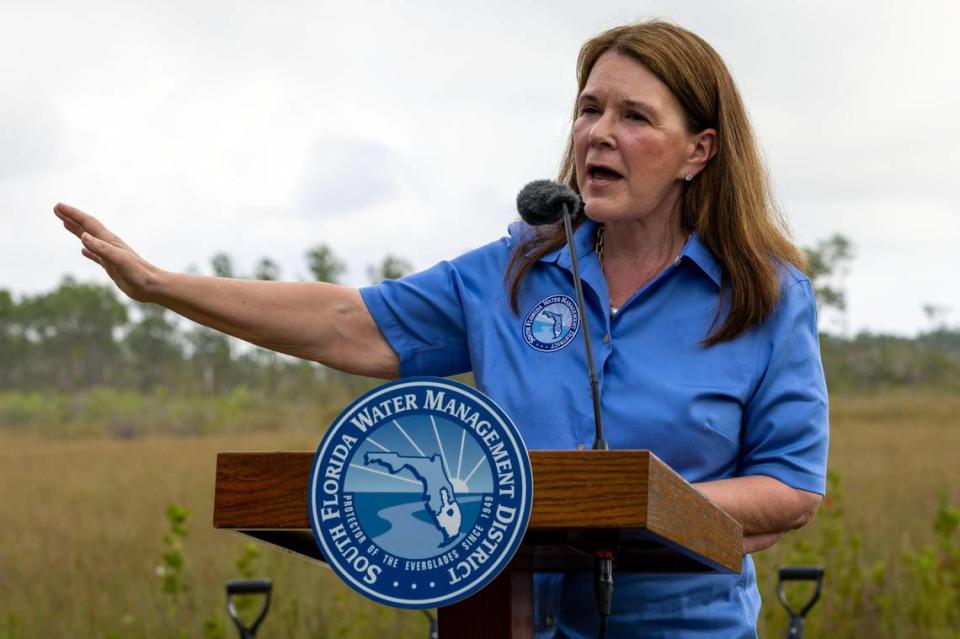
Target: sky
pixel 262 129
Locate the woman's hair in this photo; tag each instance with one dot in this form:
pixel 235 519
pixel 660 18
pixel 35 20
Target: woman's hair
pixel 729 204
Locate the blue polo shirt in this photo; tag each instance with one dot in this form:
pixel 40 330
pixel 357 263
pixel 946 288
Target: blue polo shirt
pixel 755 405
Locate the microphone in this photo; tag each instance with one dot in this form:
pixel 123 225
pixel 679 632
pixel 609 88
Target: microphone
pixel 544 202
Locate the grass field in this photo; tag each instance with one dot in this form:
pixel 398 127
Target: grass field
pixel 895 455
pixel 82 521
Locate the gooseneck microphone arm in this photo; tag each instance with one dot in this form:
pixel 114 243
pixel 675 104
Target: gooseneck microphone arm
pixel 599 443
pixel 544 202
pixel 603 558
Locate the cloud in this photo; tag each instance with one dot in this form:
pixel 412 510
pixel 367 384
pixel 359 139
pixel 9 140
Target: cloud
pixel 344 176
pixel 375 127
pixel 29 135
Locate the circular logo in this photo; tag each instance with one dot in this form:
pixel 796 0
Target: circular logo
pixel 420 493
pixel 552 323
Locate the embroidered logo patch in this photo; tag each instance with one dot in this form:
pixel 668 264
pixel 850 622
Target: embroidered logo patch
pixel 420 493
pixel 552 323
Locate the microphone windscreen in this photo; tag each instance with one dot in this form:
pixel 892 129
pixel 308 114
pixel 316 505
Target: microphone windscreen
pixel 541 202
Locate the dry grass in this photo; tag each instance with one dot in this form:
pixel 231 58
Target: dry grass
pixel 896 455
pixel 81 522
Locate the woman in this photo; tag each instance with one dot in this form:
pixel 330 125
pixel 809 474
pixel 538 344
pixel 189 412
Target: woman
pixel 709 353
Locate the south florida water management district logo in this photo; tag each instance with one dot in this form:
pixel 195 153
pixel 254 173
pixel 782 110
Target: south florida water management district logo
pixel 420 493
pixel 552 323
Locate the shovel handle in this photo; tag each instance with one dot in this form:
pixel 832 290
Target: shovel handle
pixel 248 587
pixel 799 573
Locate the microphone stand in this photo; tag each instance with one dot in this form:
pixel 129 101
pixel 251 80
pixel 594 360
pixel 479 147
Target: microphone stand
pixel 602 557
pixel 599 443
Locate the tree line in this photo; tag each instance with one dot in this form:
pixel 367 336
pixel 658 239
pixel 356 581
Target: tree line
pixel 82 335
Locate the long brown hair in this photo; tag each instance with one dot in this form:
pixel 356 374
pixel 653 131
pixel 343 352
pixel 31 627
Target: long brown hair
pixel 729 204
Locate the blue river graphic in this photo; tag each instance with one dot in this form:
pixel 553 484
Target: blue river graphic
pixel 401 525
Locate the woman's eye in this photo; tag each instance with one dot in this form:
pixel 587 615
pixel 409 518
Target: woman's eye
pixel 588 109
pixel 633 115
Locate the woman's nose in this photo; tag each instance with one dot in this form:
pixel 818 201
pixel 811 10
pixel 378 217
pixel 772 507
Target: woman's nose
pixel 601 133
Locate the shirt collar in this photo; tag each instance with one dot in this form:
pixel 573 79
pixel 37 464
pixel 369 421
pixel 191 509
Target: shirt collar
pixel 698 253
pixel 585 238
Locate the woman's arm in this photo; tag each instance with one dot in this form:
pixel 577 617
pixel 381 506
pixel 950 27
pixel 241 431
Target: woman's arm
pixel 323 322
pixel 765 507
pixel 784 435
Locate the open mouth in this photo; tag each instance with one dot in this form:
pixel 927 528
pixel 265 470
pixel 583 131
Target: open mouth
pixel 602 174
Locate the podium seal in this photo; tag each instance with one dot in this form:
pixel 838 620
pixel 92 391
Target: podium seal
pixel 420 493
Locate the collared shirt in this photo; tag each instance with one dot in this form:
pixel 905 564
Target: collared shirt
pixel 754 405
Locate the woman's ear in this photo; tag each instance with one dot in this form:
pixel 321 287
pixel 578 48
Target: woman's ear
pixel 704 147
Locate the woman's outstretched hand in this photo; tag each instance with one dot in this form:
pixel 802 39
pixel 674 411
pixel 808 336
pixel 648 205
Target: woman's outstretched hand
pixel 132 274
pixel 317 321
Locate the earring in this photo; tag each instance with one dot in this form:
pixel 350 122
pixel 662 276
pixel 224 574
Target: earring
pixel 689 177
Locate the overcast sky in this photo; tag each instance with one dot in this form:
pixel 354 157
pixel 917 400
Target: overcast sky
pixel 263 128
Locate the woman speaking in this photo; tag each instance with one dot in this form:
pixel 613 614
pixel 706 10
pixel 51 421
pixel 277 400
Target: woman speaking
pixel 704 322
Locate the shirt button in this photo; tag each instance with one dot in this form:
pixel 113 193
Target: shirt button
pixel 548 621
pixel 606 339
pixel 580 446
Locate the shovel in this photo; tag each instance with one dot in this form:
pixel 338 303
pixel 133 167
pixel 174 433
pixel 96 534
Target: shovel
pixel 248 587
pixel 799 573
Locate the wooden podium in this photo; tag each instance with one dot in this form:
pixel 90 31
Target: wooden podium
pixel 627 500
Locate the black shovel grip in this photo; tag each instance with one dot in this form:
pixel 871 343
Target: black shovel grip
pixel 249 586
pixel 801 573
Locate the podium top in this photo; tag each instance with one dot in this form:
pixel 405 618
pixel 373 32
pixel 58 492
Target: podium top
pixel 625 499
